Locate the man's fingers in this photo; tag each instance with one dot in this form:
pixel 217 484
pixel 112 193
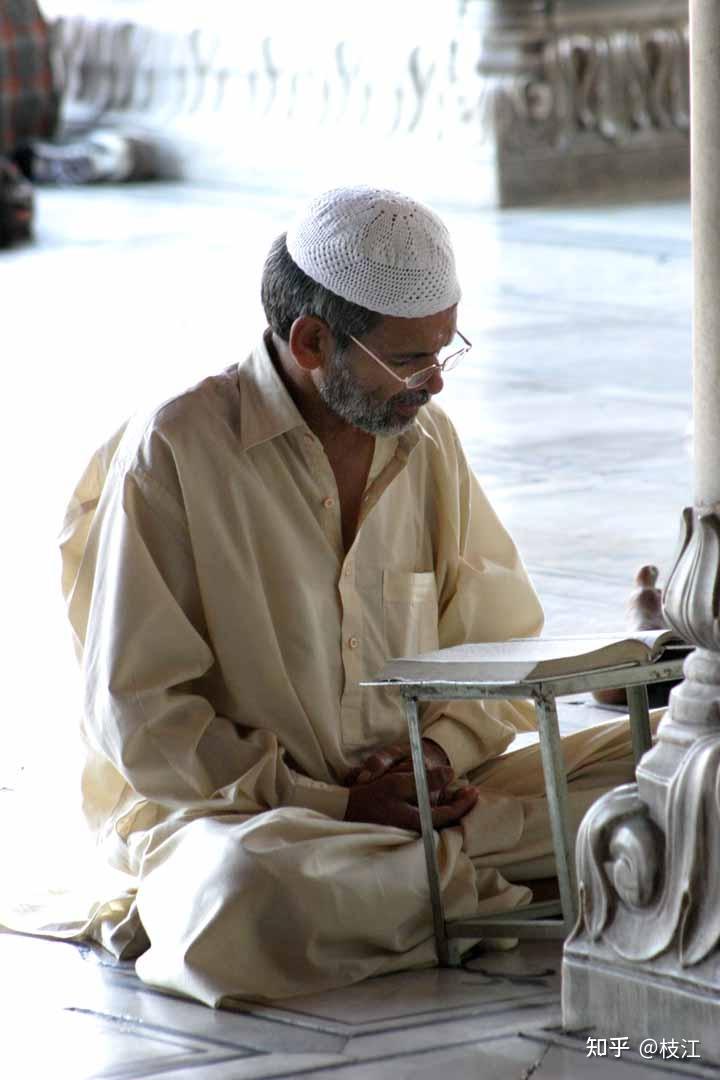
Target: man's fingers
pixel 403 784
pixel 378 763
pixel 463 801
pixel 439 776
pixel 375 767
pixel 405 816
pixel 466 796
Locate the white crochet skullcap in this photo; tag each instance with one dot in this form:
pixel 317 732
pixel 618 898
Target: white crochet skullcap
pixel 378 249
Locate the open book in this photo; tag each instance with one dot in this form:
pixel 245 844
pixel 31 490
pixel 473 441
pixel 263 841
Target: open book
pixel 535 658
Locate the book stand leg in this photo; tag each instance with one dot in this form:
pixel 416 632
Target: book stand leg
pixel 447 956
pixel 639 710
pixel 556 792
pixel 529 922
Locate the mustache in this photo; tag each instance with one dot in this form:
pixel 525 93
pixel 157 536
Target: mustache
pixel 413 397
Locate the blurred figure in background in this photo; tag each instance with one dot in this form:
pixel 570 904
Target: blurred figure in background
pixel 37 145
pixel 28 110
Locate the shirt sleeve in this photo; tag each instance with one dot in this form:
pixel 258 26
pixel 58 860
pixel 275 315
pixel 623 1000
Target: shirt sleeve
pixel 485 595
pixel 153 706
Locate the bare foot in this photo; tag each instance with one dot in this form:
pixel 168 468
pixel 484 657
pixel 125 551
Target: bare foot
pixel 644 612
pixel 644 605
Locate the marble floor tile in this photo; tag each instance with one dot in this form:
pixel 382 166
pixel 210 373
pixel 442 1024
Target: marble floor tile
pixel 75 1044
pixel 469 1062
pixel 503 1058
pixel 420 997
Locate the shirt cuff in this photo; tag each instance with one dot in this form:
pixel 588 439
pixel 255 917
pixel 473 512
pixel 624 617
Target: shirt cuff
pixel 465 750
pixel 329 799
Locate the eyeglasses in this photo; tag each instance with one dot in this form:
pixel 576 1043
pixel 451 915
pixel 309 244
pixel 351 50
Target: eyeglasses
pixel 446 359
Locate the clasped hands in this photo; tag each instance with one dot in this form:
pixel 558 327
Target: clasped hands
pixel 382 789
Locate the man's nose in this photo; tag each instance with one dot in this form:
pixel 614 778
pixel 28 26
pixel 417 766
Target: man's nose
pixel 435 383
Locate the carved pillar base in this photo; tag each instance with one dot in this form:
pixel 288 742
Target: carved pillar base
pixel 681 1015
pixel 644 960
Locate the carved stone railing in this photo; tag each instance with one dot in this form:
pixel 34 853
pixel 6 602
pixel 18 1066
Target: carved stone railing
pixel 585 93
pixel 494 100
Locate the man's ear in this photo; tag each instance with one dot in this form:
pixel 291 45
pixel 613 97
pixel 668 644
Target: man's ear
pixel 311 342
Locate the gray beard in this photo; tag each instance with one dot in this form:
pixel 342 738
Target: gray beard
pixel 346 398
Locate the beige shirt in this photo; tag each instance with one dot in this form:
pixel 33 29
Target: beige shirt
pixel 224 630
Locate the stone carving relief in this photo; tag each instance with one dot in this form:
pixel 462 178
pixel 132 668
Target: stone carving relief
pixel 694 612
pixel 648 854
pixel 612 84
pixel 615 86
pixel 642 890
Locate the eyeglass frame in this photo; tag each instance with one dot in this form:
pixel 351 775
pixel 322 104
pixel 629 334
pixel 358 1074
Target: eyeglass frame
pixel 410 382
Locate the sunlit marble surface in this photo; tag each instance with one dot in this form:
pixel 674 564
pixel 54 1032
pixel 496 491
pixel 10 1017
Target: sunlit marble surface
pixel 70 1012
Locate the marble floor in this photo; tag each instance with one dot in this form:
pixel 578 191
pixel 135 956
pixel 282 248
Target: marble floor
pixel 69 1012
pixel 574 408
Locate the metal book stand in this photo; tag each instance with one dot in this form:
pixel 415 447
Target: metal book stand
pixel 550 919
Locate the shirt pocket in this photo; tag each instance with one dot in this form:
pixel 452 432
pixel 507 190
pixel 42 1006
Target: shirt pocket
pixel 410 612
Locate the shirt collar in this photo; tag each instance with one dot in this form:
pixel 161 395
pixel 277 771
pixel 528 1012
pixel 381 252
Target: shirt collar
pixel 267 410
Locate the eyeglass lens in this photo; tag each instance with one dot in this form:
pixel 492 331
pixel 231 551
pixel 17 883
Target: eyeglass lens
pixel 456 345
pixel 447 359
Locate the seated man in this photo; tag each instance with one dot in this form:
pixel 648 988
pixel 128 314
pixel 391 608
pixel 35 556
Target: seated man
pixel 235 564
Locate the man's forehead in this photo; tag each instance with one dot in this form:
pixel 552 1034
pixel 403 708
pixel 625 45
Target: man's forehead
pixel 427 332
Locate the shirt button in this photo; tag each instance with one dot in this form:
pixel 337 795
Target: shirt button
pixel 328 502
pixel 348 570
pixel 308 437
pixel 353 642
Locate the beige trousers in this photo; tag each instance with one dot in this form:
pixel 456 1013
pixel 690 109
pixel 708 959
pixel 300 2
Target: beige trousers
pixel 290 902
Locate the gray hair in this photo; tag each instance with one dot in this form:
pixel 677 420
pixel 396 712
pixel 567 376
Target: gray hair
pixel 287 293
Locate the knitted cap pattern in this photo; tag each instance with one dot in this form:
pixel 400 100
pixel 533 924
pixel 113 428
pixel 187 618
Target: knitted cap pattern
pixel 379 249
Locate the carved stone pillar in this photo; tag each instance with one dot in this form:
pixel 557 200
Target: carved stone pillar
pixel 644 959
pixel 587 95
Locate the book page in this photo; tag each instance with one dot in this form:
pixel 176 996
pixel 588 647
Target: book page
pixel 524 659
pixel 532 650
